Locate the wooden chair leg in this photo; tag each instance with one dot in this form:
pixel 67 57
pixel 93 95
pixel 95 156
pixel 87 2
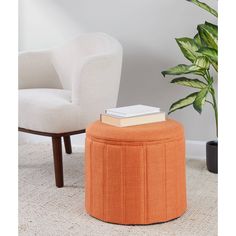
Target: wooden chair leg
pixel 67 143
pixel 58 163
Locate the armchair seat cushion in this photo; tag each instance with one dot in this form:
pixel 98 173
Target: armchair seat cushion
pixel 48 110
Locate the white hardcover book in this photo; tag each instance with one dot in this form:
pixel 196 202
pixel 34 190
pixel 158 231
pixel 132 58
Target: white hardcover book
pixel 131 111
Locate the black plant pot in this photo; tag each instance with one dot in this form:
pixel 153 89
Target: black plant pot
pixel 212 156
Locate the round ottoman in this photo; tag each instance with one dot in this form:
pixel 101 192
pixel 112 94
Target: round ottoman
pixel 135 175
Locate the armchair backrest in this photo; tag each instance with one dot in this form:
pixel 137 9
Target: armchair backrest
pixel 71 56
pixel 90 66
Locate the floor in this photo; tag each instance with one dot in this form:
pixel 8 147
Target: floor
pixel 48 211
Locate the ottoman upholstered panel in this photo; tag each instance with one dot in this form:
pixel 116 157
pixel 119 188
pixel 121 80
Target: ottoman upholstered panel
pixel 135 175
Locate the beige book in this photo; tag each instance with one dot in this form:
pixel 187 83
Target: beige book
pixel 130 121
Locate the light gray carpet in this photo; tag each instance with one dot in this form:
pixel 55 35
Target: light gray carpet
pixel 48 211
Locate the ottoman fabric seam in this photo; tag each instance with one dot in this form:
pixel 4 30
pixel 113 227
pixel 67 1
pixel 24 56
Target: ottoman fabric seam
pixel 103 182
pixel 127 142
pixel 177 189
pixel 147 213
pixel 165 181
pixel 124 183
pixel 145 188
pixel 91 178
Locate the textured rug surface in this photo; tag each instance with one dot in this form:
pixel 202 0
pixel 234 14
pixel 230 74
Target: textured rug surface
pixel 48 211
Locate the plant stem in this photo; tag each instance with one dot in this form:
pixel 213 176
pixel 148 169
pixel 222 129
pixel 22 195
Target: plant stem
pixel 215 109
pixel 206 78
pixel 214 104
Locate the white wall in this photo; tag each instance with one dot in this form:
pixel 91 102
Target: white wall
pixel 146 29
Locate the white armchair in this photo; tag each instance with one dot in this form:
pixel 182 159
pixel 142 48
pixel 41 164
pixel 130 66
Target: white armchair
pixel 62 90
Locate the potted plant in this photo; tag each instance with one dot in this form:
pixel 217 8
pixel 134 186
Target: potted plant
pixel 202 52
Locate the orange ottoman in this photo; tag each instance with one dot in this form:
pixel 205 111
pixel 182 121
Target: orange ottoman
pixel 135 175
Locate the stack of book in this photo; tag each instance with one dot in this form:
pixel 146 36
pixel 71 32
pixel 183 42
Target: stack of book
pixel 132 115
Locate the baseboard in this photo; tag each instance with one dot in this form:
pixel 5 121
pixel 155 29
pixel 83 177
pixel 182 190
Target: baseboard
pixel 195 149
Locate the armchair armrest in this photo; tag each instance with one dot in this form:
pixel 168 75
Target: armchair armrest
pixel 35 70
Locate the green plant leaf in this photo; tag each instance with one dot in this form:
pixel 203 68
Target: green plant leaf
pixel 197 40
pixel 202 62
pixel 200 99
pixel 208 35
pixel 215 65
pixel 184 102
pixel 194 83
pixel 183 69
pixel 213 28
pixel 205 7
pixel 211 54
pixel 188 47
